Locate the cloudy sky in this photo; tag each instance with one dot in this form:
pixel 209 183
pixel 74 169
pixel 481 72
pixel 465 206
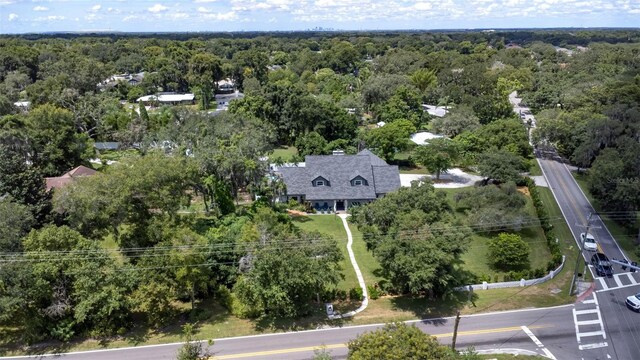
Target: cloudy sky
pixel 22 16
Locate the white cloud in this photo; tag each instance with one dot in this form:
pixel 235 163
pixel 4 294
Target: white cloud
pixel 421 6
pixel 13 16
pixel 204 1
pixel 96 7
pixel 158 8
pixel 40 8
pixel 228 16
pixel 178 16
pixel 203 10
pixel 50 18
pixel 6 2
pixel 129 18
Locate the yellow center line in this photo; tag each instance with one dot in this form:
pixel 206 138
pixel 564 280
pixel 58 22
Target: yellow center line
pixel 337 346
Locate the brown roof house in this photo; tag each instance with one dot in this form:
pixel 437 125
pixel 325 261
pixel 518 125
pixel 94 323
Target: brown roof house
pixel 67 178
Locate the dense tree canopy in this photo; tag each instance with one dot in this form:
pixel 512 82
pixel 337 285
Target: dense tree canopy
pixel 185 212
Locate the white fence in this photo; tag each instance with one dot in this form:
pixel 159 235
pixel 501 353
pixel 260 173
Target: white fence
pixel 520 283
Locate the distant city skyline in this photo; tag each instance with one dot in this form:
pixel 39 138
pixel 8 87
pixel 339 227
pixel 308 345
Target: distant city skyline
pixel 36 16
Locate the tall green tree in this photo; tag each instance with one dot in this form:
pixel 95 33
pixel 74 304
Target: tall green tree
pixel 386 141
pixel 57 145
pixel 287 272
pixel 205 70
pixel 16 221
pixel 456 122
pixel 437 156
pixel 24 184
pixel 424 79
pixel 398 341
pixel 500 165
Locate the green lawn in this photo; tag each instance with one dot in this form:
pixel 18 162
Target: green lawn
pixel 418 169
pixel 535 170
pixel 625 236
pixel 368 264
pixel 332 226
pixel 475 258
pixel 285 152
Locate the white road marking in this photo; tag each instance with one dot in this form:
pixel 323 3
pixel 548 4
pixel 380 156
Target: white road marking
pixel 593 346
pixel 593 333
pixel 588 311
pixel 602 283
pixel 616 288
pixel 631 278
pixel 575 322
pixel 616 277
pixel 589 322
pixel 538 343
pixel 589 301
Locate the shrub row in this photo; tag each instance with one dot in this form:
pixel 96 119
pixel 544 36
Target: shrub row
pixel 513 276
pixel 547 227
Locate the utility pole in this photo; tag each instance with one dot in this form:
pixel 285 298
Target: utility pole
pixel 575 271
pixel 455 330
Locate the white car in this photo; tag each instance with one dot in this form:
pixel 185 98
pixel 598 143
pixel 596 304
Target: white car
pixel 588 242
pixel 633 302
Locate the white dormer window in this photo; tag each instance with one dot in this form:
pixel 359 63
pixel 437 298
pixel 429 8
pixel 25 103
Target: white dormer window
pixel 357 182
pixel 319 183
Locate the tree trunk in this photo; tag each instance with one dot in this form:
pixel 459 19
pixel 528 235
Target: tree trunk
pixel 438 175
pixel 192 295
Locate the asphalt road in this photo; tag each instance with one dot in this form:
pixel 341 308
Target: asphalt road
pixel 621 326
pixel 553 328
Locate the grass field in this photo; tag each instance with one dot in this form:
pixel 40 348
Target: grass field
pixel 475 258
pixel 332 226
pixel 285 152
pixel 625 236
pixel 535 170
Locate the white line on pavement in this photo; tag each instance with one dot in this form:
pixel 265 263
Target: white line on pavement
pixel 593 346
pixel 631 278
pixel 603 283
pixel 617 288
pixel 582 312
pixel 538 343
pixel 589 322
pixel 616 278
pixel 592 333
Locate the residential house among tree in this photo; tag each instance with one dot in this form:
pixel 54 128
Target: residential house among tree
pixel 337 182
pixel 69 177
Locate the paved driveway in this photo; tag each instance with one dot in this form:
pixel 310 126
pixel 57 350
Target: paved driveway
pixel 455 178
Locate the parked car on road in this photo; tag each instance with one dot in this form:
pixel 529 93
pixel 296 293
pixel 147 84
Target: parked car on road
pixel 633 302
pixel 602 265
pixel 588 242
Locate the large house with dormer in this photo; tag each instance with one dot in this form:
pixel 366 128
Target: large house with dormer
pixel 337 182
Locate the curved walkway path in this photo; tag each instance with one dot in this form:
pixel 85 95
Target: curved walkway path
pixel 352 257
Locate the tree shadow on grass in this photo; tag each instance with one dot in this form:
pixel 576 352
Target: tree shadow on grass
pixel 317 319
pixel 206 312
pixel 432 311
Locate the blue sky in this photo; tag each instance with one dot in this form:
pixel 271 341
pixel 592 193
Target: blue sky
pixel 20 16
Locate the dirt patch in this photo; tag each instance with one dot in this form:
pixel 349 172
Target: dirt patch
pixel 524 190
pixel 296 213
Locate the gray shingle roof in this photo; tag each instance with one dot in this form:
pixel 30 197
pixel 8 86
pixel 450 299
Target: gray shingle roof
pixel 375 160
pixel 387 178
pixel 339 170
